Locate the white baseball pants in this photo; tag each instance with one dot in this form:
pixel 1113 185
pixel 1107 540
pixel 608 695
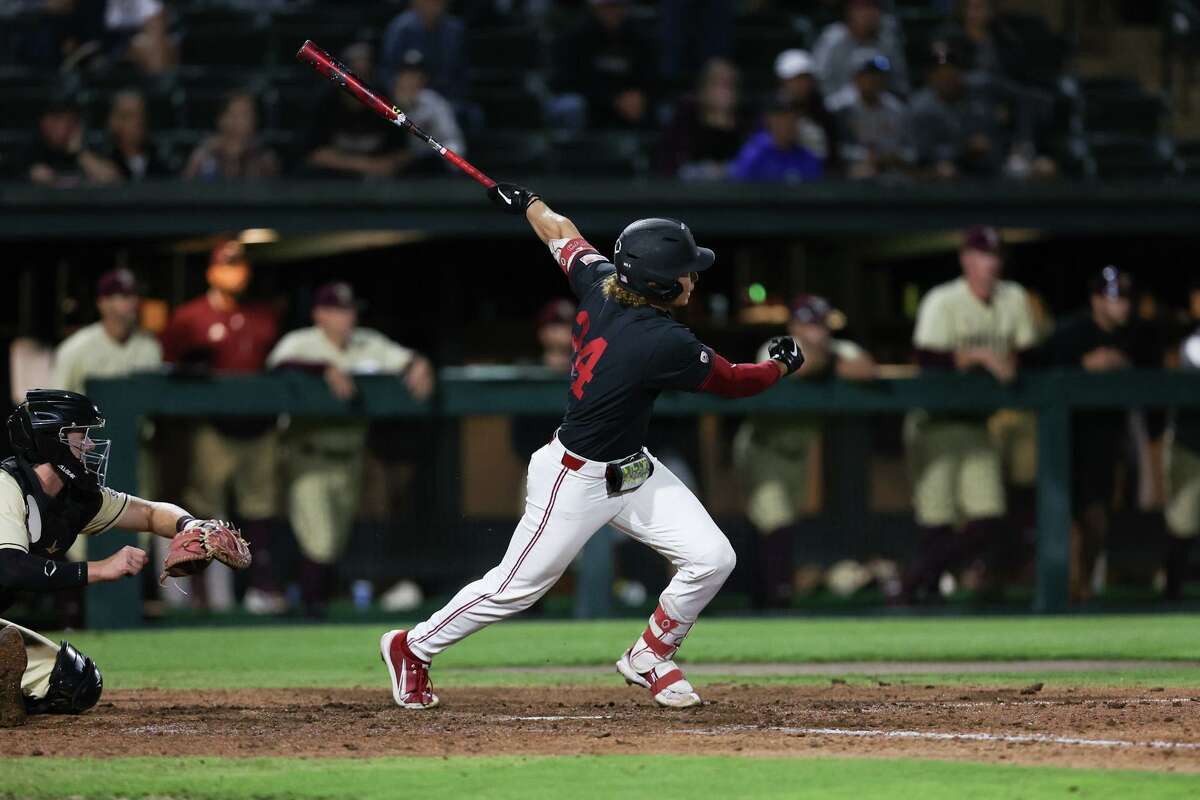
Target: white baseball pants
pixel 567 502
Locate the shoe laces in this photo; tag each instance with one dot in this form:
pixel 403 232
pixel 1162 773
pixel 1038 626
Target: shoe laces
pixel 418 679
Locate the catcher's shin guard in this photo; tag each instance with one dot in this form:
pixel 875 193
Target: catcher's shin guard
pixel 75 685
pixel 13 661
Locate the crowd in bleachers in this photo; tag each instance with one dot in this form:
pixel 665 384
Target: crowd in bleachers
pixel 705 89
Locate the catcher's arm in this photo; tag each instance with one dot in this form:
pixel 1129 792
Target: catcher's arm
pixel 161 519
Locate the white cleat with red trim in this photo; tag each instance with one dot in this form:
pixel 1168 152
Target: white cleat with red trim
pixel 411 687
pixel 665 680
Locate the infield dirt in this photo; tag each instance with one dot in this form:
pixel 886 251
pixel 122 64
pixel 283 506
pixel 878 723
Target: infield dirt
pixel 1139 729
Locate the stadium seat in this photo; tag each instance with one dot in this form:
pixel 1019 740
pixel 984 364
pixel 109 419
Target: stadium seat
pixel 1132 157
pixel 511 109
pixel 1119 105
pixel 23 105
pixel 503 56
pixel 225 38
pixel 607 154
pixel 510 153
pixel 755 48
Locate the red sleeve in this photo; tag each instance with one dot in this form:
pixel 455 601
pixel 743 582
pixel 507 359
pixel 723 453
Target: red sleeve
pixel 740 380
pixel 571 251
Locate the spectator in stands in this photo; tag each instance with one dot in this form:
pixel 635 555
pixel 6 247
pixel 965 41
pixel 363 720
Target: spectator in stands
pixel 430 112
pixel 817 128
pixel 128 148
pixel 977 323
pixel 1183 466
pixel 325 457
pixel 989 46
pixel 345 137
pixel 439 37
pixel 233 152
pixel 775 153
pixel 112 347
pixel 93 34
pixel 964 127
pixel 874 129
pixel 955 129
pixel 609 63
pixel 216 333
pixel 774 453
pixel 136 30
pixel 60 155
pixel 692 33
pixel 1097 339
pixel 706 130
pixel 865 26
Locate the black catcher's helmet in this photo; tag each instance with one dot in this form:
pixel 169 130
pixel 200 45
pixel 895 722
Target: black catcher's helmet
pixel 652 253
pixel 38 430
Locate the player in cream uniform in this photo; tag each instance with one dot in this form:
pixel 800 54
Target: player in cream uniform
pixel 975 322
pixel 52 492
pixel 326 455
pixel 112 347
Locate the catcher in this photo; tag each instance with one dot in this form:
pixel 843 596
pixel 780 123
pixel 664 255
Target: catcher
pixel 52 492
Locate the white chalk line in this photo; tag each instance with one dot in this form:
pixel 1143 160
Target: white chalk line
pixel 556 719
pixel 1023 738
pixel 1090 703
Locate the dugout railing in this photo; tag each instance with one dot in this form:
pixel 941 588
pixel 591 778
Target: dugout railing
pixel 465 392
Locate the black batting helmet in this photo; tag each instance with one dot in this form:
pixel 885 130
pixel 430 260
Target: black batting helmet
pixel 651 254
pixel 38 430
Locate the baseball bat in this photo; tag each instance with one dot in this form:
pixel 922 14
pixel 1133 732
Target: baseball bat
pixel 337 72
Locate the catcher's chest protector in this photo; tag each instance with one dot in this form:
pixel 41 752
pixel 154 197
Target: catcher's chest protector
pixel 53 523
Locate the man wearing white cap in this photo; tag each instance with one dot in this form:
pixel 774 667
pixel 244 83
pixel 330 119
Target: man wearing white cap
pixel 798 81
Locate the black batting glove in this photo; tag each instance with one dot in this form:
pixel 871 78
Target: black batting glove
pixel 785 350
pixel 511 198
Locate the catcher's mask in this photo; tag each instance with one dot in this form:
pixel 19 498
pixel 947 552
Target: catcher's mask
pixel 41 428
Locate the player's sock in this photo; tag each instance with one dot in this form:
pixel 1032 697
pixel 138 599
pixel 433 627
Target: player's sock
pixel 658 643
pixel 1176 563
pixel 258 535
pixel 935 550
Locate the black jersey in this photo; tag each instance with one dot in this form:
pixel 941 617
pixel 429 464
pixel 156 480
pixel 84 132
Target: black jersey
pixel 624 356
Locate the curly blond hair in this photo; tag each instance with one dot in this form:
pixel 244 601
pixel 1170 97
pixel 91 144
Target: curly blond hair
pixel 615 291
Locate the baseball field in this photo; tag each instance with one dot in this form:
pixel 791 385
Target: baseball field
pixel 1105 706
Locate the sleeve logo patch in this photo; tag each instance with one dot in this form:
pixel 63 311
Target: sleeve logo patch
pixel 703 356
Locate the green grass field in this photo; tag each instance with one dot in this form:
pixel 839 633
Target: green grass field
pixel 346 656
pixel 578 778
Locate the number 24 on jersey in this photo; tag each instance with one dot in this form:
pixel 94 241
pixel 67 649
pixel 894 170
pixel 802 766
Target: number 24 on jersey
pixel 586 354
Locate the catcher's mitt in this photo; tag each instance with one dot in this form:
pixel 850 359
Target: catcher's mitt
pixel 199 543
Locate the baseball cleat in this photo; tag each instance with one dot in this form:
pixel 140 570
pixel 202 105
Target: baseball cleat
pixel 666 683
pixel 411 687
pixel 13 661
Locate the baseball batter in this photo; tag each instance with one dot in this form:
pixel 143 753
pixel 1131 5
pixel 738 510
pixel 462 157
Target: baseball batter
pixel 52 492
pixel 595 470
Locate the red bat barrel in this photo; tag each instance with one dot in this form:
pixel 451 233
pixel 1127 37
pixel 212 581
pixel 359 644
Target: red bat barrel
pixel 337 72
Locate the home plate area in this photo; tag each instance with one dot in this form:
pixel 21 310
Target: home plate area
pixel 1132 728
